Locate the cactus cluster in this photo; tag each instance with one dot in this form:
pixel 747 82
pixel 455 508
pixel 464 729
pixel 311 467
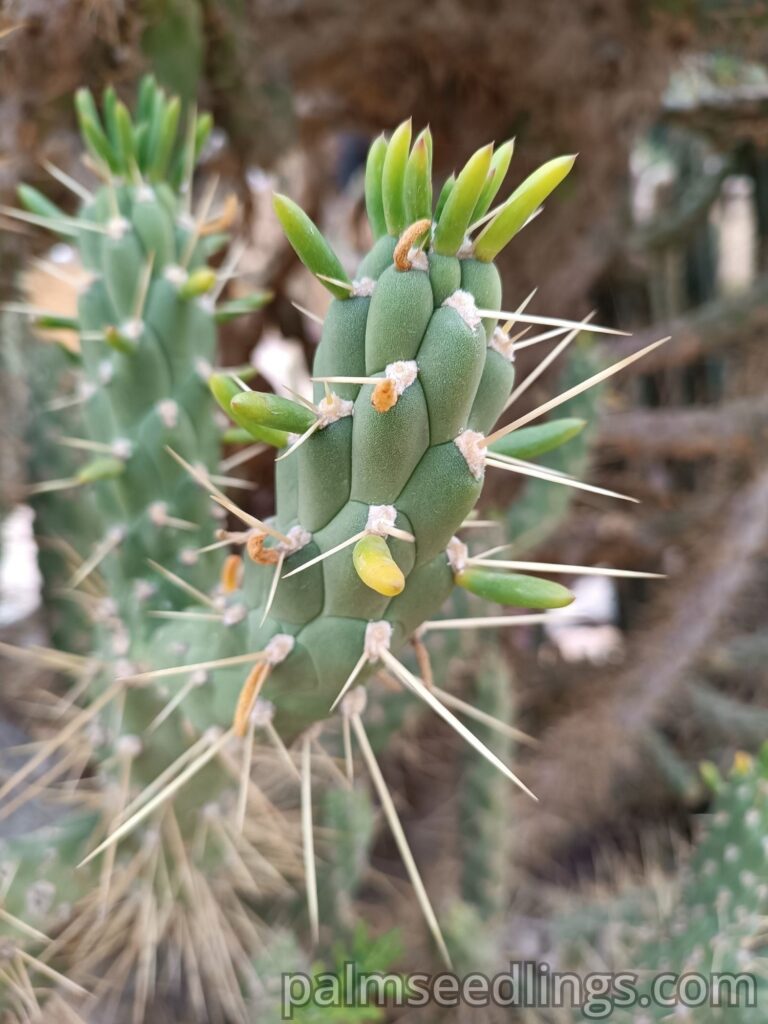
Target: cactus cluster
pixel 375 478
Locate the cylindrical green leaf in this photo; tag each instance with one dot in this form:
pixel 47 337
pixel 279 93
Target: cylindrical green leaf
pixel 224 389
pixel 374 202
pixel 528 442
pixel 104 468
pixel 493 182
pixel 457 211
pixel 524 201
pixel 310 246
pixel 445 191
pixel 418 180
pixel 166 139
pixel 198 283
pixel 514 589
pixel 393 178
pixel 242 307
pixel 39 204
pixel 266 410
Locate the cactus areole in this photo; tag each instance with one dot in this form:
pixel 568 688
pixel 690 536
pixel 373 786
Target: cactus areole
pixel 377 476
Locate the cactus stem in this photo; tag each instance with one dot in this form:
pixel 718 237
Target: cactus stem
pixel 493 621
pixel 361 663
pixel 213 747
pixel 308 313
pixel 67 181
pixel 500 462
pixel 585 385
pixel 579 570
pixel 393 819
pixel 546 361
pixel 416 685
pixel 113 539
pixel 182 584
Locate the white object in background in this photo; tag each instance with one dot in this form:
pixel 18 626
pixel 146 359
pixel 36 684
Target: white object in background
pixel 736 223
pixel 20 580
pixel 282 364
pixel 596 640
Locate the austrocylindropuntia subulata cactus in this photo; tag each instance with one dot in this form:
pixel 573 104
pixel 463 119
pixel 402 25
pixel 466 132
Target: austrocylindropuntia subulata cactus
pixel 376 478
pixel 379 473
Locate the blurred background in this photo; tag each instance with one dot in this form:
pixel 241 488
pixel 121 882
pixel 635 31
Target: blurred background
pixel 662 228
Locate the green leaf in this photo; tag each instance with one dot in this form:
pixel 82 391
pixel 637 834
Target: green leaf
pixel 242 307
pixel 310 246
pixel 457 211
pixel 523 202
pixel 418 180
pixel 393 178
pixel 262 409
pixel 374 202
pixel 514 589
pixel 528 442
pixel 495 179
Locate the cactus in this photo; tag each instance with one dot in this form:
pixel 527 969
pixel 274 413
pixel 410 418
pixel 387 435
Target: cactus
pixel 147 327
pixel 709 921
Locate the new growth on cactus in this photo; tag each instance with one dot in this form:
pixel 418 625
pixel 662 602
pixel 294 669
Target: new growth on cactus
pixel 378 474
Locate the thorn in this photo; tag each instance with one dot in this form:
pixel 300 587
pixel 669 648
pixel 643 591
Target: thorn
pixel 327 554
pixel 193 681
pixel 495 621
pixel 308 313
pixel 273 586
pixel 249 694
pixel 67 181
pixel 545 362
pixel 361 663
pixel 390 812
pixel 596 378
pixel 248 519
pixel 548 321
pixel 97 556
pixel 200 218
pixel 310 871
pixel 297 444
pixel 214 746
pixel 485 719
pixel 164 673
pixel 182 584
pixel 418 687
pixel 498 462
pixel 580 570
pixel 242 456
pixel 245 776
